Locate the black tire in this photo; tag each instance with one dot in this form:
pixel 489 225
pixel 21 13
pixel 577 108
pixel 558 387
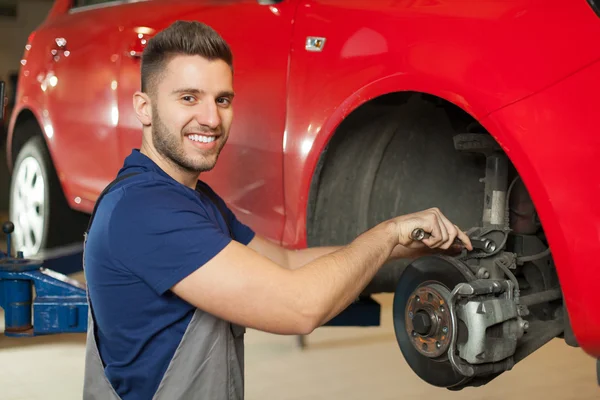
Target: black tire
pixel 56 224
pixel 387 161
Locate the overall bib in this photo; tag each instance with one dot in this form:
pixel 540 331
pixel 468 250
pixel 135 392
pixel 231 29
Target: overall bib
pixel 208 362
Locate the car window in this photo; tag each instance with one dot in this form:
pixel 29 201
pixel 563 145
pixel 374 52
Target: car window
pixel 85 3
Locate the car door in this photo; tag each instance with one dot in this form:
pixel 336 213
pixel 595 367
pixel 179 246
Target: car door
pixel 81 100
pixel 249 173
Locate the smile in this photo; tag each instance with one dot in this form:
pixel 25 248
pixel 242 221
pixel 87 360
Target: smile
pixel 202 138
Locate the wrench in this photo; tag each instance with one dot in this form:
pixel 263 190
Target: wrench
pixel 487 245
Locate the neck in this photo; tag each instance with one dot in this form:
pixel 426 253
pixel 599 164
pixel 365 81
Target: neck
pixel 186 178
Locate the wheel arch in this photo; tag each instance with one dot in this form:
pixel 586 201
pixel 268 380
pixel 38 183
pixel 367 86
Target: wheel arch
pixel 394 89
pixel 18 137
pixel 390 90
pixel 463 118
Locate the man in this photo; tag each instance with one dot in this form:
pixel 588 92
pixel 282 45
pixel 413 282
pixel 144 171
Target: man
pixel 173 276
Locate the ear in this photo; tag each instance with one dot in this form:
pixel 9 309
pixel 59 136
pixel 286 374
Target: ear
pixel 143 108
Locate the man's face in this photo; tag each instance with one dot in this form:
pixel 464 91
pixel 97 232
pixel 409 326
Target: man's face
pixel 192 112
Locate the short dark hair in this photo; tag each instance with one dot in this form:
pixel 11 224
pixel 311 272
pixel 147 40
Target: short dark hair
pixel 181 38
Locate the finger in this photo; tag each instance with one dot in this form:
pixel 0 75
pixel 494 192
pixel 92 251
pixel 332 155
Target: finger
pixel 445 228
pixel 465 239
pixel 452 234
pixel 444 232
pixel 432 225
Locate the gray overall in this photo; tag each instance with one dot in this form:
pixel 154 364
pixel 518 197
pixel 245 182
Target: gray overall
pixel 208 363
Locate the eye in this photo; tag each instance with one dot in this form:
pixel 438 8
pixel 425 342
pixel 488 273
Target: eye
pixel 188 98
pixel 224 101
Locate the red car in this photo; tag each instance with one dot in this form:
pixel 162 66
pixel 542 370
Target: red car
pixel 348 113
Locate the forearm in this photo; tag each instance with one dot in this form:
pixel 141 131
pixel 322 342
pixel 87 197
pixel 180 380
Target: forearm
pixel 298 258
pixel 294 259
pixel 289 259
pixel 333 281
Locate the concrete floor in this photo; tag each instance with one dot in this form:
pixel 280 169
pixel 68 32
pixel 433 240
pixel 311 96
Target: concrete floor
pixel 338 363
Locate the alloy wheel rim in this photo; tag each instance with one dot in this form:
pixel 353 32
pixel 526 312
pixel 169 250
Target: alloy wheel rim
pixel 28 203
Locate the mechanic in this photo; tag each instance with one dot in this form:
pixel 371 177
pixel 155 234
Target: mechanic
pixel 174 277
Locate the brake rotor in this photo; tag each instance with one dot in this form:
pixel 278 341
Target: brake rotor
pixel 422 320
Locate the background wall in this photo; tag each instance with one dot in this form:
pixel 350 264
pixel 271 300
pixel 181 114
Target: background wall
pixel 30 14
pixel 14 30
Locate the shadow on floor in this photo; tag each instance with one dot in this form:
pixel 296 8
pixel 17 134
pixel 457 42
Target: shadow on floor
pixel 7 343
pixel 347 342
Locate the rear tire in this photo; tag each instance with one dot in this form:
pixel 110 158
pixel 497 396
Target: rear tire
pixel 38 208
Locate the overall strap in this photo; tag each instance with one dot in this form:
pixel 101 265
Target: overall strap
pixel 106 189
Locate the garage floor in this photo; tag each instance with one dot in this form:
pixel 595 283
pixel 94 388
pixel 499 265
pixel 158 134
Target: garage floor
pixel 338 363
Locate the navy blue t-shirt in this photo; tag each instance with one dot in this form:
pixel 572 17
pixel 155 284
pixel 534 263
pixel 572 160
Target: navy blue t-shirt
pixel 149 233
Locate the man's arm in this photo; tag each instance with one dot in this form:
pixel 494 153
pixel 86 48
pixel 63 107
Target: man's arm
pixel 294 259
pixel 289 259
pixel 242 286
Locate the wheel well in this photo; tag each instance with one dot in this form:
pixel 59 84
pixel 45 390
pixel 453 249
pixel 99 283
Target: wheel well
pixel 416 108
pixel 396 155
pixel 21 136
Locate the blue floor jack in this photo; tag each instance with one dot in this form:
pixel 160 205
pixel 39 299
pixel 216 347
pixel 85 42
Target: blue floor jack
pixel 60 303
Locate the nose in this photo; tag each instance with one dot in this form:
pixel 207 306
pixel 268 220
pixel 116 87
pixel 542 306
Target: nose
pixel 208 115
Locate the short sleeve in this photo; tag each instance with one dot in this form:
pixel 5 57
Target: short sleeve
pixel 162 235
pixel 242 233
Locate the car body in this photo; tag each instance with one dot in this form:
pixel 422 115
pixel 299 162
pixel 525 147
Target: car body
pixel 524 71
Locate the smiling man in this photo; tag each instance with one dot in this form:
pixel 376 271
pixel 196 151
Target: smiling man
pixel 173 276
pixel 184 142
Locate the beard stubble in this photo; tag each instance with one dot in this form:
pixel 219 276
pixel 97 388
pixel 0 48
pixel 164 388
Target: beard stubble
pixel 169 145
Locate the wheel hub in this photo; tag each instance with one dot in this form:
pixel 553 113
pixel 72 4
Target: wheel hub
pixel 428 321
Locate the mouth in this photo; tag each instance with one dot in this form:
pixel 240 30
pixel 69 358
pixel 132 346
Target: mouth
pixel 202 138
pixel 203 142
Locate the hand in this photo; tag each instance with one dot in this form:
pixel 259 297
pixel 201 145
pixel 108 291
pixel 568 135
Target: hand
pixel 442 233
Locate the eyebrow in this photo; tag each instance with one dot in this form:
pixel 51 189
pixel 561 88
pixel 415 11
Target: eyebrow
pixel 225 93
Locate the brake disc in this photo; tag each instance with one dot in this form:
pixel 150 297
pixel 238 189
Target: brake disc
pixel 422 318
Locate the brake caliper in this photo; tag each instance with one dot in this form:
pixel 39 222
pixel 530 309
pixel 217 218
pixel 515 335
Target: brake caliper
pixel 492 317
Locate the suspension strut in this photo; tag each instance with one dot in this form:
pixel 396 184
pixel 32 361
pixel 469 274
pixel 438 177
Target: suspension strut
pixel 496 186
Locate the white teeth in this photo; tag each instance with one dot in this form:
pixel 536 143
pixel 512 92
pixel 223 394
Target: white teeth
pixel 202 138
